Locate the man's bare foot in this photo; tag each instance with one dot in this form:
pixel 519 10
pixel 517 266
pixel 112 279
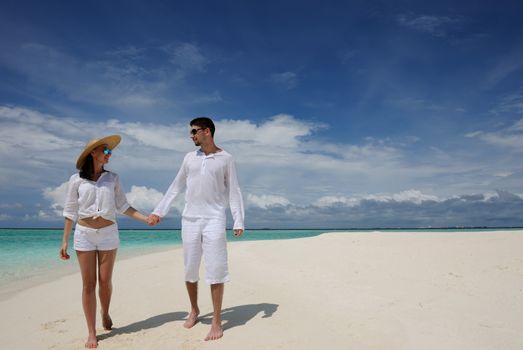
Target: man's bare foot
pixel 192 319
pixel 216 332
pixel 91 342
pixel 107 322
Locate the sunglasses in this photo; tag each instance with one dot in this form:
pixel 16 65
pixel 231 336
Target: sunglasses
pixel 108 151
pixel 195 131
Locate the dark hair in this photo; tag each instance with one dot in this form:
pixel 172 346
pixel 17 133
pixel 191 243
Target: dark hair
pixel 204 122
pixel 87 170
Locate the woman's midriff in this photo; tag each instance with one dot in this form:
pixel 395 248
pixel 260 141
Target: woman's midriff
pixel 97 223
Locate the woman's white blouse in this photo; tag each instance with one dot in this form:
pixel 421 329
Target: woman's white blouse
pixel 102 198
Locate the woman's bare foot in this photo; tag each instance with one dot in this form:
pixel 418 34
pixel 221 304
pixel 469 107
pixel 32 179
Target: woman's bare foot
pixel 216 332
pixel 192 319
pixel 107 322
pixel 91 342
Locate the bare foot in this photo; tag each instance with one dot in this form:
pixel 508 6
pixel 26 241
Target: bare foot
pixel 192 319
pixel 91 342
pixel 107 322
pixel 216 332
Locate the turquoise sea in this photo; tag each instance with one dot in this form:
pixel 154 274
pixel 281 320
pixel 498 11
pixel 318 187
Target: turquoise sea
pixel 30 255
pixel 33 253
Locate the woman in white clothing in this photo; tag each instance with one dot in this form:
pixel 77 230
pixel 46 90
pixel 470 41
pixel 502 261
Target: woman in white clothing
pixel 94 196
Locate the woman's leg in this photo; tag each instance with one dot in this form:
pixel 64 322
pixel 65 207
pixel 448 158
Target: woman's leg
pixel 106 261
pixel 87 261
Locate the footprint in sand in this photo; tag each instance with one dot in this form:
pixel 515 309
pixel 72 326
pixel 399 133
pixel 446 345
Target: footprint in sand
pixel 53 325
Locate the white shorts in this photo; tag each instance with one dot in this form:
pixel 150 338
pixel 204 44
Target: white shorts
pixel 89 239
pixel 205 237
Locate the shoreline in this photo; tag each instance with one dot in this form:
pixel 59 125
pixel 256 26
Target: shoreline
pixel 367 290
pixel 10 288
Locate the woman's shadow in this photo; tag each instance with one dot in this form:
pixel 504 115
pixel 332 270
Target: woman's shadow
pixel 151 322
pixel 240 315
pixel 232 316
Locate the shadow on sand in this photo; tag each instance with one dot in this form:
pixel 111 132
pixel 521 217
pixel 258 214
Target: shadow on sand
pixel 240 315
pixel 151 322
pixel 231 317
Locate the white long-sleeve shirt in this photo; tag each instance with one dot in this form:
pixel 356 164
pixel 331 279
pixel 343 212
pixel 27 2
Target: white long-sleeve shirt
pixel 211 185
pixel 102 198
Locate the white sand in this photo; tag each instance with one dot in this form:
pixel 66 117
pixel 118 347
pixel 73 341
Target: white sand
pixel 337 291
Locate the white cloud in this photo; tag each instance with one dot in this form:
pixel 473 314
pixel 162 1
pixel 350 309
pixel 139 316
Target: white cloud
pixel 10 205
pixel 140 197
pixel 188 57
pixel 56 196
pixel 131 80
pixel 411 196
pixel 146 199
pixel 438 26
pixel 280 161
pixel 509 137
pixel 474 134
pixel 503 173
pixel 505 67
pixel 518 126
pixel 5 217
pixel 287 80
pixel 266 201
pixel 405 209
pixel 329 201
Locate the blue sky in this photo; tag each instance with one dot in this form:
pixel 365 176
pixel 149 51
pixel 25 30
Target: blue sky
pixel 339 114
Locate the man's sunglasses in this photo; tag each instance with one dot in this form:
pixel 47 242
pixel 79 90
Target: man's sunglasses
pixel 195 131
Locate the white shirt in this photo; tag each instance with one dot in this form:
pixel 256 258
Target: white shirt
pixel 211 186
pixel 102 198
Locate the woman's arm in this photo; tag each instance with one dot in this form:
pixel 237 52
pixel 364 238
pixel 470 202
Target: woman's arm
pixel 68 224
pixel 135 214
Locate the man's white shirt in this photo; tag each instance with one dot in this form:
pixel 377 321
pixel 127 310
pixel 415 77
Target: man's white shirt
pixel 211 185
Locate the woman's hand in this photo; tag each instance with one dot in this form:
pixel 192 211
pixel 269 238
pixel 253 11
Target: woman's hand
pixel 63 252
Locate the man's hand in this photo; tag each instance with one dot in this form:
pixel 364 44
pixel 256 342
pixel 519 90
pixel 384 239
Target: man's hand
pixel 238 232
pixel 153 220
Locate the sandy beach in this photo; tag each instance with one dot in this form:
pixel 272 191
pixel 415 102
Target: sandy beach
pixel 367 290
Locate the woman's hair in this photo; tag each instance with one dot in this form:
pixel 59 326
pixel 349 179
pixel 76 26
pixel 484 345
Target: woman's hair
pixel 87 170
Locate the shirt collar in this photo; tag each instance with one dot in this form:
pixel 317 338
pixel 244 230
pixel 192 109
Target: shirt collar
pixel 201 153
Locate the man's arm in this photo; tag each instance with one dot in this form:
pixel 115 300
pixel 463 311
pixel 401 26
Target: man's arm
pixel 174 189
pixel 235 200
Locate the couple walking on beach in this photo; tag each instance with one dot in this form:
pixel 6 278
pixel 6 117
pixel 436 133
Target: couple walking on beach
pixel 95 195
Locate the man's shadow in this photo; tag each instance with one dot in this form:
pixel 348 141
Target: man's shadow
pixel 151 322
pixel 240 315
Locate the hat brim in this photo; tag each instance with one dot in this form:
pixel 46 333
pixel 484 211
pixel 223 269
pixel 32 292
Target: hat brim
pixel 111 141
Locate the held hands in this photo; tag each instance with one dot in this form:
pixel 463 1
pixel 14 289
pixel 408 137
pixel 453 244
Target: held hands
pixel 153 220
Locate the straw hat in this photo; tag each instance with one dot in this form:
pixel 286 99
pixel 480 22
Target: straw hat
pixel 111 141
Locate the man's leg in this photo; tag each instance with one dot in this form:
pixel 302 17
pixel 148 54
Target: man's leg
pixel 192 290
pixel 216 331
pixel 214 247
pixel 192 256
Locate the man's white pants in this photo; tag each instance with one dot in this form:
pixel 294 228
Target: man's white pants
pixel 205 236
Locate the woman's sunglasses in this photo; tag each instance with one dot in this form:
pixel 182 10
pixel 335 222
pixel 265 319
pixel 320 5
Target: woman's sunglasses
pixel 108 151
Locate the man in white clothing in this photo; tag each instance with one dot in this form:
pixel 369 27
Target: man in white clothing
pixel 209 178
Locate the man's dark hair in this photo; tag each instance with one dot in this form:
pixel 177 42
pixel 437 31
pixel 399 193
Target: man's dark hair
pixel 204 122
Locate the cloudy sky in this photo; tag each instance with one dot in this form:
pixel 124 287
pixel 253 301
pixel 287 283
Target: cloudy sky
pixel 339 114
